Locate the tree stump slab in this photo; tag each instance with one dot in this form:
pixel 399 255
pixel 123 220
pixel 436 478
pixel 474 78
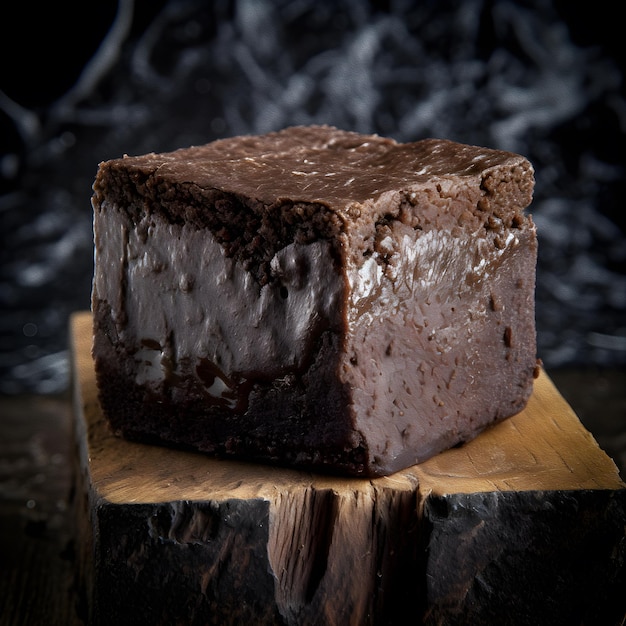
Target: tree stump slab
pixel 524 525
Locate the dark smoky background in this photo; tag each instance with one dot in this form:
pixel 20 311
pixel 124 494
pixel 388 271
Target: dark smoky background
pixel 93 81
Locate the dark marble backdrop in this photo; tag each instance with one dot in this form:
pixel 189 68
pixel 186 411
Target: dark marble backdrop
pixel 82 84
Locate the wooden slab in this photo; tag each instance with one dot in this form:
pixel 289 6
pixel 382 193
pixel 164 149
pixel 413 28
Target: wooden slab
pixel 525 522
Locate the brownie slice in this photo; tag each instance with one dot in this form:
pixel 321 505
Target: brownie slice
pixel 314 297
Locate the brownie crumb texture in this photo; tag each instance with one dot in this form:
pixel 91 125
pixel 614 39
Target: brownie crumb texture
pixel 314 297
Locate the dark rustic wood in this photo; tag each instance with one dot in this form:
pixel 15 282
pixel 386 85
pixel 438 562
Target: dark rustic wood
pixel 535 557
pixel 524 525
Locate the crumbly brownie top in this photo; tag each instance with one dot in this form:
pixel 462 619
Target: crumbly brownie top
pixel 317 164
pixel 260 193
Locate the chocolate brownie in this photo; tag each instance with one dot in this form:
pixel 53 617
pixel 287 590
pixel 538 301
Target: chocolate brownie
pixel 313 297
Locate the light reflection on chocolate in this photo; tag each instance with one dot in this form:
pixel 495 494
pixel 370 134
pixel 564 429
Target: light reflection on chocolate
pixel 228 393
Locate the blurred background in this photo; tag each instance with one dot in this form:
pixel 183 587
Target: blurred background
pixel 85 82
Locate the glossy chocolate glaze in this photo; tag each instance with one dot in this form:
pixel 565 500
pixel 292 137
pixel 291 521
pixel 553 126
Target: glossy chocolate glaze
pixel 315 297
pixel 460 358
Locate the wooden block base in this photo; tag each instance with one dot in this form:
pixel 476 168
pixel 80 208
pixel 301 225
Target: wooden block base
pixel 524 525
